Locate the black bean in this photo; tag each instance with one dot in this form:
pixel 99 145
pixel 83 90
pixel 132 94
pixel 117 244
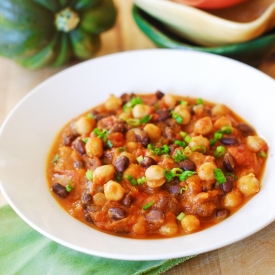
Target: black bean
pixel 228 185
pixel 170 134
pixel 229 141
pixel 80 147
pixel 117 213
pixel 86 199
pixel 222 213
pixel 93 208
pixel 119 127
pixel 155 216
pixel 121 164
pixel 187 165
pixel 69 139
pixel 159 95
pixel 142 137
pixel 228 162
pixel 245 129
pixel 127 200
pixel 96 115
pixel 163 114
pixel 88 218
pixel 127 97
pixel 162 203
pixel 174 189
pixel 79 164
pixel 147 162
pixel 60 190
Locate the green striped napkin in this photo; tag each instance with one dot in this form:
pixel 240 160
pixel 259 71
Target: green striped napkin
pixel 24 251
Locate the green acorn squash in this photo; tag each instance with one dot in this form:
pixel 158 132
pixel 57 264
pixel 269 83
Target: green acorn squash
pixel 40 33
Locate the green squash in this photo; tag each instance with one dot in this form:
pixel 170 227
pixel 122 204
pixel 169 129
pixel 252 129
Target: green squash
pixel 41 33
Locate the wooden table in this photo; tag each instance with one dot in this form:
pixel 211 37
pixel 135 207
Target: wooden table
pixel 254 255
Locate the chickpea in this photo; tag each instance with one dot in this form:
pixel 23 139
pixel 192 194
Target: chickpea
pixel 113 103
pixel 203 126
pixel 139 228
pixel 219 110
pixel 99 199
pixel 84 125
pixel 199 141
pixel 248 185
pixel 169 229
pixel 190 223
pixel 132 146
pixel 205 171
pixel 169 100
pixel 94 147
pixel 141 110
pixel 113 191
pixel 125 116
pixel 221 122
pixel 152 131
pixel 103 174
pixel 155 176
pixel 184 112
pixel 233 198
pixel 255 143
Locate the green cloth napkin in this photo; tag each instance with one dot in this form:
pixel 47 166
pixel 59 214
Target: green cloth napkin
pixel 25 251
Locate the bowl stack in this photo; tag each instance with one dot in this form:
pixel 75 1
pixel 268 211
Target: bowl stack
pixel 239 29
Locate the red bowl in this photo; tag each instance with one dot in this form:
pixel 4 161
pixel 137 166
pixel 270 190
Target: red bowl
pixel 210 4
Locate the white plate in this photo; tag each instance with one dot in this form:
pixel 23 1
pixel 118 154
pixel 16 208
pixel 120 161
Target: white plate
pixel 28 132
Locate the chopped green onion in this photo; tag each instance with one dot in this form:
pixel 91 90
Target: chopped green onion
pixel 140 181
pixel 133 121
pixel 186 174
pixel 139 159
pixel 177 117
pixel 69 188
pixel 145 119
pixel 148 205
pixel 101 134
pixel 219 151
pixel 131 179
pixel 212 141
pixel 179 156
pixel 183 102
pixel 132 103
pixel 109 143
pixel 183 134
pixel 262 154
pixel 187 151
pixel 199 148
pixel 176 171
pixel 180 216
pixel 227 129
pixel 199 101
pixel 121 149
pixel 90 116
pixel 187 139
pixel 85 140
pixel 168 174
pixel 218 135
pixel 56 158
pixel 219 176
pixel 89 175
pixel 180 143
pixel 163 150
pixel 183 189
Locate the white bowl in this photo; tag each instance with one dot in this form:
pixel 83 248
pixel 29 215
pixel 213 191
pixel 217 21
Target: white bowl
pixel 206 29
pixel 28 132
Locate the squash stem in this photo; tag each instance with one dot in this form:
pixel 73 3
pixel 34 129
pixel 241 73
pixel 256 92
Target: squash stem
pixel 66 20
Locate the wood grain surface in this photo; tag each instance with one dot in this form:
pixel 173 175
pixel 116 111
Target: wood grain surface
pixel 253 255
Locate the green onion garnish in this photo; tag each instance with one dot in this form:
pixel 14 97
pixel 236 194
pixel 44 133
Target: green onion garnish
pixel 55 159
pixel 119 177
pixel 183 189
pixel 219 151
pixel 132 103
pixel 262 155
pixel 69 188
pixel 140 181
pixel 186 174
pixel 131 179
pixel 139 159
pixel 89 175
pixel 109 143
pixel 183 102
pixel 85 140
pixel 177 117
pixel 219 176
pixel 199 101
pixel 168 174
pixel 101 134
pixel 179 156
pixel 133 121
pixel 145 119
pixel 180 216
pixel 218 135
pixel 183 134
pixel 163 150
pixel 227 129
pixel 148 205
pixel 212 141
pixel 180 143
pixel 90 116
